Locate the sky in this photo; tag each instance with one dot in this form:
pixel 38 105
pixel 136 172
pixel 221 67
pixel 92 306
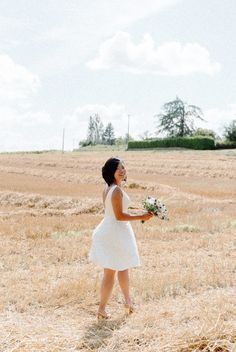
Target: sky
pixel 62 61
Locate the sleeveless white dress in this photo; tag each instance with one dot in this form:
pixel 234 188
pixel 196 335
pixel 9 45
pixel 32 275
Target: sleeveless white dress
pixel 113 242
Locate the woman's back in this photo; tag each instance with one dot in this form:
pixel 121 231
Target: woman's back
pixel 109 212
pixel 114 245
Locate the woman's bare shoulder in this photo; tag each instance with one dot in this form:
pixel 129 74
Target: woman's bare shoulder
pixel 117 192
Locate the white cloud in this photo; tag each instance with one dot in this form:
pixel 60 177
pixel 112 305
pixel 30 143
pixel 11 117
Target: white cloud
pixel 106 112
pixel 218 118
pixel 16 82
pixel 71 29
pixel 102 17
pixel 22 128
pixel 77 122
pixel 25 130
pixel 29 139
pixel 172 58
pixel 13 118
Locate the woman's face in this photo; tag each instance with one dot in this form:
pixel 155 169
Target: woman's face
pixel 120 174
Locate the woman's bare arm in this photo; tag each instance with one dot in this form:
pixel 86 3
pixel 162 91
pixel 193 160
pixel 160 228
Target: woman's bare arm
pixel 116 200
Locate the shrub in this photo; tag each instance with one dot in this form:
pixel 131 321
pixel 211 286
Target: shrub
pixel 225 145
pixel 85 143
pixel 204 132
pixel 181 142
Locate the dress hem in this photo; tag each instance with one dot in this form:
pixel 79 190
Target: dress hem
pixel 116 268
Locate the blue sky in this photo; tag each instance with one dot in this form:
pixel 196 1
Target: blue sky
pixel 64 60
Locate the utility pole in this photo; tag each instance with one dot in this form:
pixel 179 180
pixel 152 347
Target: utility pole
pixel 63 140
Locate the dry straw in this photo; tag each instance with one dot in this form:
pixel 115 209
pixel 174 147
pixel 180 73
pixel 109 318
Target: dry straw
pixel 184 292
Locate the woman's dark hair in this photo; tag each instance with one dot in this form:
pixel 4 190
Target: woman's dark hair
pixel 109 169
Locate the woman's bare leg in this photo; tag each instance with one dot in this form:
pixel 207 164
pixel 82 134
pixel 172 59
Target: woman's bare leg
pixel 106 288
pixel 123 277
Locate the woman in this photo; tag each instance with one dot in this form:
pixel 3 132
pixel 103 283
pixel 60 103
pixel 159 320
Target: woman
pixel 113 241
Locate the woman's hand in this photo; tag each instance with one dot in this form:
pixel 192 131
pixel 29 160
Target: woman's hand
pixel 147 216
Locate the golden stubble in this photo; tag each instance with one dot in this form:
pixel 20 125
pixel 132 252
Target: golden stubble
pixel 184 292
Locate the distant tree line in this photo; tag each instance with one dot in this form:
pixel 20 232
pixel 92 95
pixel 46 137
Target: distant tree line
pixel 97 133
pixel 176 119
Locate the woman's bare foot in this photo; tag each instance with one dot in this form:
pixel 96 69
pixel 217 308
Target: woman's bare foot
pixel 129 307
pixel 102 314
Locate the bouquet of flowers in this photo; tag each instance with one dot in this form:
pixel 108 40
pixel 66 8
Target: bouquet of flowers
pixel 158 208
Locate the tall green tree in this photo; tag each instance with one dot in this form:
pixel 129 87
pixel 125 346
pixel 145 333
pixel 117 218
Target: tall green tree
pixel 91 131
pixel 95 130
pixel 177 118
pixel 230 131
pixel 109 134
pixel 99 129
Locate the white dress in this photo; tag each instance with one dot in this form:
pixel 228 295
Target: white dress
pixel 113 242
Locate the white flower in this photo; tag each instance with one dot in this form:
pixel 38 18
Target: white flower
pixel 155 206
pixel 151 200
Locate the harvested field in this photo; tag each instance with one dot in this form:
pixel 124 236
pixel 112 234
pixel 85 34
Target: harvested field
pixel 184 292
